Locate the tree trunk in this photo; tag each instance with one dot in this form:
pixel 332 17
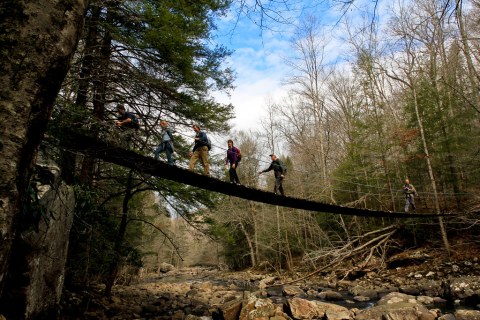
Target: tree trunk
pixel 69 159
pixel 472 73
pixel 38 38
pixel 96 68
pixel 430 172
pixel 251 248
pixel 115 264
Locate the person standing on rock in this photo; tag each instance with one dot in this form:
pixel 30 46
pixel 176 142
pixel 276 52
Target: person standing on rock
pixel 410 193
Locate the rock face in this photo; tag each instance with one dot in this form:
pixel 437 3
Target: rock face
pixel 39 258
pixel 48 262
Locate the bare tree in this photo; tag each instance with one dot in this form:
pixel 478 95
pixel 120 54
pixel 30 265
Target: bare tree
pixel 306 118
pixel 410 69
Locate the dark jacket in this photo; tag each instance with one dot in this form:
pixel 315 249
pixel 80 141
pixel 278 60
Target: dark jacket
pixel 128 115
pixel 232 155
pixel 202 140
pixel 277 167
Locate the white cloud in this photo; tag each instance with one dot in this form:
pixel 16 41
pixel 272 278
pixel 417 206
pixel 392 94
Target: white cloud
pixel 260 70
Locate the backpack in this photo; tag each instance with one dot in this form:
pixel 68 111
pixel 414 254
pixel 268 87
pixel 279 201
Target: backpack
pixel 239 154
pixel 209 144
pixel 135 123
pixel 283 167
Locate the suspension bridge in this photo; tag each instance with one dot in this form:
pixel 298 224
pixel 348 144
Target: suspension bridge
pixel 147 165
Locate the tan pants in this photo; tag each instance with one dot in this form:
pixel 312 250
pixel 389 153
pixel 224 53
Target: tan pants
pixel 202 154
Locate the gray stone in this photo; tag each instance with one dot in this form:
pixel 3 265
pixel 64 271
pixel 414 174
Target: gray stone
pixel 361 291
pixel 439 301
pixel 396 297
pixel 425 300
pixel 414 291
pixel 361 298
pixel 330 295
pixel 431 288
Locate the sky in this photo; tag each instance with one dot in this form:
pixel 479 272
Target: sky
pixel 257 61
pixel 259 54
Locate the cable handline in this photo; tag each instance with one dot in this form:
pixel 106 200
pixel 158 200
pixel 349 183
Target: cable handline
pixel 385 193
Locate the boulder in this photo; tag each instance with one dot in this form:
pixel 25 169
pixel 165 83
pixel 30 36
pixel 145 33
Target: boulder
pixel 166 267
pixel 292 290
pixel 361 291
pixel 330 295
pixel 410 290
pixel 464 287
pixel 425 300
pixel 467 314
pixel 361 298
pixel 431 288
pixel 334 312
pixel 303 309
pixel 40 253
pixel 396 311
pixel 231 310
pixel 265 282
pixel 396 297
pixel 258 309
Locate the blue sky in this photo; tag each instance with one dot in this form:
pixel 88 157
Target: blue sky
pixel 258 57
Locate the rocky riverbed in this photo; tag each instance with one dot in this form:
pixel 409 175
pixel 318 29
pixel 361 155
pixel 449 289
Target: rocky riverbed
pixel 420 290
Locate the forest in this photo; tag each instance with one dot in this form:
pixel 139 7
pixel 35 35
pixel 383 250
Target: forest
pixel 403 103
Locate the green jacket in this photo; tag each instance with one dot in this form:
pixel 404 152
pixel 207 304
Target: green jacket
pixel 409 189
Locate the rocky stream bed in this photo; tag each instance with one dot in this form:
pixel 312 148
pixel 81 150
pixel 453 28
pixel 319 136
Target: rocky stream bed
pixel 450 291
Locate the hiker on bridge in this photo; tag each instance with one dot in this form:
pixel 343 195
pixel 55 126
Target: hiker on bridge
pixel 233 158
pixel 166 143
pixel 126 119
pixel 128 123
pixel 200 150
pixel 410 193
pixel 279 170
